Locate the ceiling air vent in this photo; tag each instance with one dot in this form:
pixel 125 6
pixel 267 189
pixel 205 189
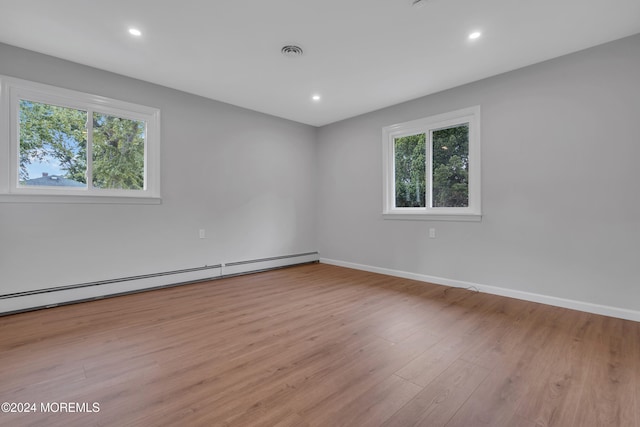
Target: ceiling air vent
pixel 291 51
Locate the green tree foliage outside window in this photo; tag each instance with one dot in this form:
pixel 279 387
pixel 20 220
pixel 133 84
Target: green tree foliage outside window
pixel 410 169
pixel 118 152
pixel 451 166
pixel 56 137
pixel 52 134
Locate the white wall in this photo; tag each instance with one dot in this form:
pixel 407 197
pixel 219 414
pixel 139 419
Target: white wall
pixel 245 177
pixel 561 202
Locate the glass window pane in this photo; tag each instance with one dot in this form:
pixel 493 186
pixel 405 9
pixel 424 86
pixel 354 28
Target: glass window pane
pixel 410 171
pixel 450 166
pixel 53 145
pixel 118 152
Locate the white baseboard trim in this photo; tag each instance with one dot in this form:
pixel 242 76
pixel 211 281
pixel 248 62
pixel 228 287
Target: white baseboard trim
pixel 588 307
pixel 44 298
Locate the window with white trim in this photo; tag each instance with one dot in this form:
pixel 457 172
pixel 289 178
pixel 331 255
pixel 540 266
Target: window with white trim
pixel 64 145
pixel 432 167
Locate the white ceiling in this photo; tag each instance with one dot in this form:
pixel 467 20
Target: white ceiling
pixel 360 55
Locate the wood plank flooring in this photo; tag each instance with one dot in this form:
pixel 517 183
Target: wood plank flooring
pixel 318 345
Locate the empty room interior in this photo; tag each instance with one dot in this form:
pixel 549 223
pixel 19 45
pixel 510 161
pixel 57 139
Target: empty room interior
pixel 337 213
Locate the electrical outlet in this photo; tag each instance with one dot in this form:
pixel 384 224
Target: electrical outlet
pixel 432 233
pixel 202 233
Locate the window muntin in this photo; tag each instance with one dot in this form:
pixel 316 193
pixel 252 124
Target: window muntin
pixel 432 167
pixel 66 143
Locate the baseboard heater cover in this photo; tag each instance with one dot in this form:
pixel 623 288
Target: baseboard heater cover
pixel 16 302
pixel 255 265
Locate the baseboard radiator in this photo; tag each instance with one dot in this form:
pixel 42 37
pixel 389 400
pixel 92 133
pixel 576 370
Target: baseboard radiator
pixel 11 303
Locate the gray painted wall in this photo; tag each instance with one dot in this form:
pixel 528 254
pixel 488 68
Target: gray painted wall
pixel 245 177
pixel 561 204
pixel 560 200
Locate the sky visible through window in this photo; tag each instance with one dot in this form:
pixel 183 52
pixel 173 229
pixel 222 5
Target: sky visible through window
pixel 47 165
pixel 67 143
pixel 53 140
pixel 53 143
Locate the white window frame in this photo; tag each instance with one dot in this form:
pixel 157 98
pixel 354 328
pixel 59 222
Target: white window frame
pixel 426 125
pixel 13 90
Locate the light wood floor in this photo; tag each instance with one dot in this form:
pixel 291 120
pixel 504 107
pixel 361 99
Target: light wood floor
pixel 319 345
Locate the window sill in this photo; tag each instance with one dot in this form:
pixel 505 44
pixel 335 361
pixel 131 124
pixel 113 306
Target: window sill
pixel 115 200
pixel 433 217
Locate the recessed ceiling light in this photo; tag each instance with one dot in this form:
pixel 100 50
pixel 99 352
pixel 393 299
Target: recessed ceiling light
pixel 135 32
pixel 418 3
pixel 475 35
pixel 316 97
